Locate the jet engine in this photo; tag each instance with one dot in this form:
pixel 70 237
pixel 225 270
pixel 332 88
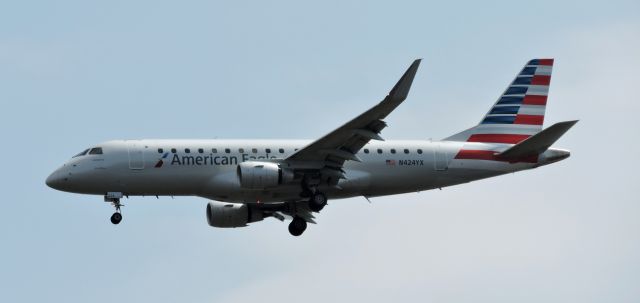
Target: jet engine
pixel 220 214
pixel 261 175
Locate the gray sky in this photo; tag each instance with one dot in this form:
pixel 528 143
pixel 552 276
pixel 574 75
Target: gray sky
pixel 75 73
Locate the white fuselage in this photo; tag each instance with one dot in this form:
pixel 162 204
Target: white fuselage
pixel 208 168
pixel 255 179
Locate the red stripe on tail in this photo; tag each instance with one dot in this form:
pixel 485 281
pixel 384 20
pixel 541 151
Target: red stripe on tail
pixel 497 138
pixel 529 119
pixel 541 80
pixel 476 154
pixel 534 100
pixel 467 154
pixel 547 62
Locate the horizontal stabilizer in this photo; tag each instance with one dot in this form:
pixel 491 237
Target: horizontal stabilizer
pixel 537 143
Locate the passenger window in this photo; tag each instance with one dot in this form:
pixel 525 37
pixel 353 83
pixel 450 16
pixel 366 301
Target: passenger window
pixel 241 150
pixel 379 151
pixel 406 151
pixel 200 150
pixel 96 151
pixel 84 152
pixel 268 150
pixel 281 150
pixel 419 151
pixel 186 150
pixel 226 150
pixel 214 150
pixel 173 150
pixel 393 151
pixel 254 150
pixel 160 150
pixel 366 150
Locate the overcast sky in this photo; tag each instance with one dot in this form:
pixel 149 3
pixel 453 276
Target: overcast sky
pixel 75 73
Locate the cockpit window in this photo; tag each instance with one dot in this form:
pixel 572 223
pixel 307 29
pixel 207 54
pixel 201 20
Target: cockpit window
pixel 96 151
pixel 84 152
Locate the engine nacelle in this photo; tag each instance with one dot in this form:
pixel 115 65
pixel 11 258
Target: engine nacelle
pixel 220 214
pixel 261 175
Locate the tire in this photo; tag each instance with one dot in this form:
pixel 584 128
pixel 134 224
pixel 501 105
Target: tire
pixel 317 202
pixel 116 218
pixel 297 226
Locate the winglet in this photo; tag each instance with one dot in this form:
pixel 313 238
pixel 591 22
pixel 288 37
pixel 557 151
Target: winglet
pixel 400 91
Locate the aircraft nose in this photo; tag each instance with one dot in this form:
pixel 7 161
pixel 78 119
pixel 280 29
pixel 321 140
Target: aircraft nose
pixel 55 180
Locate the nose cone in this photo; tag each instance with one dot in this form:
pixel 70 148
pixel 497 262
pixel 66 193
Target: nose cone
pixel 55 180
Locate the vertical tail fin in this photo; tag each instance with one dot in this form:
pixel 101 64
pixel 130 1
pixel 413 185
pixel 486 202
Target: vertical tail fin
pixel 519 112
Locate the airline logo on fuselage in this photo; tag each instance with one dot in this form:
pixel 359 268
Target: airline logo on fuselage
pixel 207 160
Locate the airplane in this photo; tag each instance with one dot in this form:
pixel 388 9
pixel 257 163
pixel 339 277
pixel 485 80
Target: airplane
pixel 249 180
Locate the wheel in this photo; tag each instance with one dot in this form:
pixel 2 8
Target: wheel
pixel 317 202
pixel 297 226
pixel 116 218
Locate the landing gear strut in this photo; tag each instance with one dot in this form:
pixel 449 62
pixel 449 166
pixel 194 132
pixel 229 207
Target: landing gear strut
pixel 297 226
pixel 114 198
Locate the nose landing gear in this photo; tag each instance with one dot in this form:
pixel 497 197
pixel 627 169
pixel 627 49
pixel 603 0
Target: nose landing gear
pixel 114 199
pixel 116 218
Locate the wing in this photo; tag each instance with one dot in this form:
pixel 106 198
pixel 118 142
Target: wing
pixel 342 144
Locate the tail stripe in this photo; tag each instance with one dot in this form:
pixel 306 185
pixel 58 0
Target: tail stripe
pixel 528 99
pixel 516 90
pixel 529 119
pixel 518 113
pixel 499 119
pixel 469 154
pixel 535 100
pixel 526 109
pixel 497 138
pixel 547 62
pixel 541 80
pixel 505 110
pixel 517 119
pixel 538 90
pixel 510 100
pixel 529 88
pixel 543 70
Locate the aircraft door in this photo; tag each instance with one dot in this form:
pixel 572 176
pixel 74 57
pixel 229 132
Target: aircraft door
pixel 136 156
pixel 440 158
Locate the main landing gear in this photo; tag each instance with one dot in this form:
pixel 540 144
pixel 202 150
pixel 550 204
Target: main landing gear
pixel 317 200
pixel 114 199
pixel 297 226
